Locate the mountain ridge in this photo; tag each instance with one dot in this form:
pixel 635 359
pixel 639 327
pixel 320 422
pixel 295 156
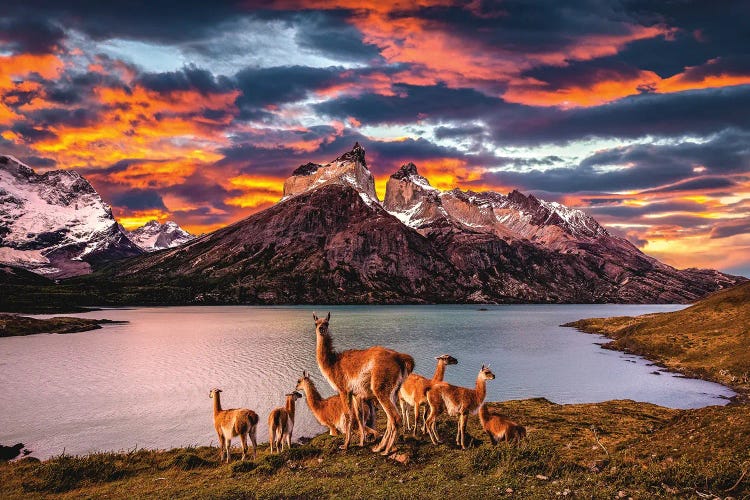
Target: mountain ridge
pixel 330 240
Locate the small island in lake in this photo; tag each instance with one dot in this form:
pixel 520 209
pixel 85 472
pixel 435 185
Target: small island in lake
pixel 13 325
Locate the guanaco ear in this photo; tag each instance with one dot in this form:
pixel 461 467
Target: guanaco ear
pixel 315 317
pixel 483 367
pixel 328 317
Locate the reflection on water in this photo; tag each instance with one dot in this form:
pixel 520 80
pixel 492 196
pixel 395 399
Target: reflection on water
pixel 146 383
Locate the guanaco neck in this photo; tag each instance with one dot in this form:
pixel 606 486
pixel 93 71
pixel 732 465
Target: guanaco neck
pixel 290 406
pixel 439 371
pixel 325 353
pixel 481 390
pixel 217 403
pixel 312 395
pixel 484 413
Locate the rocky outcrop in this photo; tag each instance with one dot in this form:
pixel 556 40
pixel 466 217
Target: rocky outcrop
pixel 55 223
pixel 348 169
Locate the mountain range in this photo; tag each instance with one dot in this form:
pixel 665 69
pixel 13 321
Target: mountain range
pixel 330 240
pixel 57 225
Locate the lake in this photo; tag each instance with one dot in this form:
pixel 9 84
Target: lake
pixel 145 384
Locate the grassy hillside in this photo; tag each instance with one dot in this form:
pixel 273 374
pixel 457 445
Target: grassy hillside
pixel 574 451
pixel 710 339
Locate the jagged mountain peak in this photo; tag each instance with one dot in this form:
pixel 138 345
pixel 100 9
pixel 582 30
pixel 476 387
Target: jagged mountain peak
pixel 407 170
pixel 154 235
pixel 356 155
pixel 348 169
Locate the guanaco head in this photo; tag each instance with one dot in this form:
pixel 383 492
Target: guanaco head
pixel 447 359
pixel 486 373
pixel 303 382
pixel 213 391
pixel 321 325
pixel 294 395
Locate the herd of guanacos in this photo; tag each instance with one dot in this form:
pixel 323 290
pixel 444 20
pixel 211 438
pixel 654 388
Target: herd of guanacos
pixel 363 379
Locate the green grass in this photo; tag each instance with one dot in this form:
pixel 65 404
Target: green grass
pixel 651 452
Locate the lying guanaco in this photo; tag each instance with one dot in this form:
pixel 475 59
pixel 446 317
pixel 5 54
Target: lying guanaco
pixel 281 423
pixel 232 423
pixel 500 428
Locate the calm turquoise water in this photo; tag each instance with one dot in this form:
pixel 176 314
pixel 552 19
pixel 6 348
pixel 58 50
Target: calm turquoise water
pixel 146 383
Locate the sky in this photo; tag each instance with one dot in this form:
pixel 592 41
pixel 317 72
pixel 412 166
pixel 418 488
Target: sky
pixel 637 112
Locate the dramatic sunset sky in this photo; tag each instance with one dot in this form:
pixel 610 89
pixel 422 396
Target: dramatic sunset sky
pixel 637 112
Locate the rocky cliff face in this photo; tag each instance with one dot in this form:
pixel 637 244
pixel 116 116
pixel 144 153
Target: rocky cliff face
pixel 330 241
pixel 348 169
pixel 55 224
pixel 154 236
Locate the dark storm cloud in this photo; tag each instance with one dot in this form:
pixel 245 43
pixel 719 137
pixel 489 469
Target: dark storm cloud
pixel 445 132
pixel 139 199
pixel 531 27
pixel 265 86
pixel 153 20
pixel 695 112
pixel 411 103
pixel 583 73
pixel 31 133
pixel 29 35
pixel 725 229
pixel 55 117
pixel 201 189
pixel 643 166
pixel 696 184
pixel 188 78
pixel 634 212
pixel 330 33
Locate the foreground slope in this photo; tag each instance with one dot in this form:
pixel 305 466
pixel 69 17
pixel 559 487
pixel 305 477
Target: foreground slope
pixel 710 339
pixel 615 449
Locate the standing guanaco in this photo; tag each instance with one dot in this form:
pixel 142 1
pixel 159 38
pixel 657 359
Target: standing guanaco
pixel 457 401
pixel 281 423
pixel 231 423
pixel 359 375
pixel 414 391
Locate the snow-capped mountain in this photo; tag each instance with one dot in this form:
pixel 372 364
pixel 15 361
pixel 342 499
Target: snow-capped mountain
pixel 329 240
pixel 154 236
pixel 412 199
pixel 348 169
pixel 55 223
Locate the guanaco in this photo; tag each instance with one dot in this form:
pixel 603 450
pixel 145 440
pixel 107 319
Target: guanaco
pixel 457 401
pixel 232 423
pixel 499 428
pixel 281 423
pixel 413 392
pixel 330 412
pixel 359 375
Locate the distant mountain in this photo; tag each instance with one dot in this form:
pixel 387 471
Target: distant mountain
pixel 329 240
pixel 154 236
pixel 55 224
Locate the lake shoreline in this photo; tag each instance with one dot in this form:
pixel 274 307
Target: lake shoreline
pixel 611 328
